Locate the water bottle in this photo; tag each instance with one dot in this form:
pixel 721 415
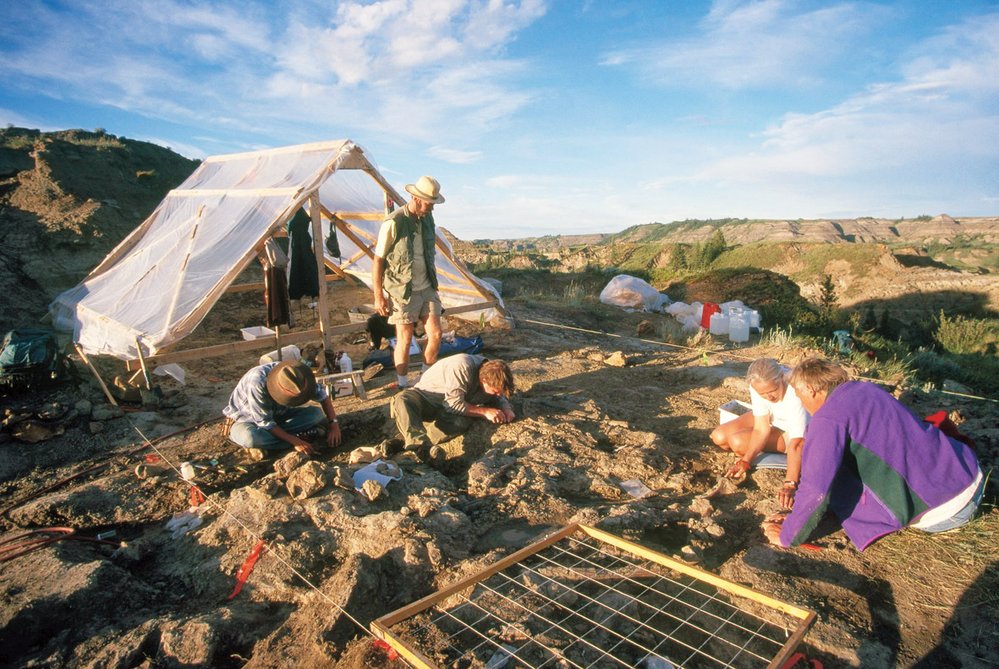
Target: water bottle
pixel 738 326
pixel 346 364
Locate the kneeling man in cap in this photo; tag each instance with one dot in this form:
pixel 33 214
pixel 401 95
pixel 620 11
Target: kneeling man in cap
pixel 266 410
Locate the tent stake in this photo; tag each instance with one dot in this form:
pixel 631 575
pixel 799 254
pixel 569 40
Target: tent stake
pixel 86 361
pixel 142 363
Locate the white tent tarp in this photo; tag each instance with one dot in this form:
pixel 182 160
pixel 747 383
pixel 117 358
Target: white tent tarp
pixel 158 284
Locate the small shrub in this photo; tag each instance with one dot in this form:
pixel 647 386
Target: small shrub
pixel 962 335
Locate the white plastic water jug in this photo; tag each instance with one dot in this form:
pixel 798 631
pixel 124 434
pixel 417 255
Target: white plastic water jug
pixel 719 324
pixel 754 319
pixel 346 364
pixel 738 326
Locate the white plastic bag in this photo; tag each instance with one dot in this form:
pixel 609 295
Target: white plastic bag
pixel 630 292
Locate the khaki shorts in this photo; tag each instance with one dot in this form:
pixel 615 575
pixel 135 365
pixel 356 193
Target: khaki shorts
pixel 421 305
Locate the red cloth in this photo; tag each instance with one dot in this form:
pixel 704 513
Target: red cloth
pixel 709 308
pixel 940 421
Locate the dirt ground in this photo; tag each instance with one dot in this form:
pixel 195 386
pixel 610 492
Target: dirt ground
pixel 156 592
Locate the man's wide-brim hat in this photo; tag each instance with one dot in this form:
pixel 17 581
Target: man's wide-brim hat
pixel 426 188
pixel 291 384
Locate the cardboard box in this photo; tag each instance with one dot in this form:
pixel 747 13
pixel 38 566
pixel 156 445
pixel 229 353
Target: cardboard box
pixel 732 410
pixel 257 332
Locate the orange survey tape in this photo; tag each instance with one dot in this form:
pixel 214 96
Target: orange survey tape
pixel 244 571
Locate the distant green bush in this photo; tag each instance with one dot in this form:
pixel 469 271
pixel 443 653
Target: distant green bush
pixel 962 335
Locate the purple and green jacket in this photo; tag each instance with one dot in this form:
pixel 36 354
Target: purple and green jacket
pixel 875 464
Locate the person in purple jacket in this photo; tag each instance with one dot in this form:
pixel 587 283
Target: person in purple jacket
pixel 873 463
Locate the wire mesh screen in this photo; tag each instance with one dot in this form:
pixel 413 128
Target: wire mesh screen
pixel 588 599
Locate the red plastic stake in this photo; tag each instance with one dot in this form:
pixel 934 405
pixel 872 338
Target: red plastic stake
pixel 244 571
pixel 197 497
pixel 386 648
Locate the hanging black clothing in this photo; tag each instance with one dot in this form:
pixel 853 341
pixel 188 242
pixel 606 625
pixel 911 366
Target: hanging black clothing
pixel 303 279
pixel 276 296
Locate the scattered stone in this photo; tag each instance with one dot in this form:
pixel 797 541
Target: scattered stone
pixel 645 329
pixel 725 486
pixel 700 506
pixel 33 431
pixel 617 359
pixel 289 463
pixel 423 506
pixel 714 530
pixel 51 411
pixel 363 454
pixel 372 490
pixel 150 399
pixel 307 480
pixel 691 554
pixel 4 437
pixel 435 555
pixel 84 407
pixel 106 412
pixel 342 478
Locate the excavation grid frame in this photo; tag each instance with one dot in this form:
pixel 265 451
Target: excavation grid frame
pixel 584 599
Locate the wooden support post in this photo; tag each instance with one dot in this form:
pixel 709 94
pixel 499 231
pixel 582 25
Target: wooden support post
pixel 86 361
pixel 317 245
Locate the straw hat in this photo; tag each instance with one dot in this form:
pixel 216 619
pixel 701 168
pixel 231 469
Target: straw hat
pixel 291 384
pixel 426 188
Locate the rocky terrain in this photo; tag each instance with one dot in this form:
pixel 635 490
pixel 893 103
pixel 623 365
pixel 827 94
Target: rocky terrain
pixel 593 412
pixel 110 559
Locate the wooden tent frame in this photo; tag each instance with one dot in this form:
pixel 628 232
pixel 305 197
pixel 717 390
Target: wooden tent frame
pixel 325 329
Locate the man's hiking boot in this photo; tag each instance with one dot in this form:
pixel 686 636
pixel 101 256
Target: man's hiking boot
pixel 389 448
pixel 431 455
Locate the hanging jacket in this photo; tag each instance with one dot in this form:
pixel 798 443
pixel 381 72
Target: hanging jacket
pixel 303 279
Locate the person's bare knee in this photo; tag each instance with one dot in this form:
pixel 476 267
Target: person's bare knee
pixel 739 442
pixel 720 438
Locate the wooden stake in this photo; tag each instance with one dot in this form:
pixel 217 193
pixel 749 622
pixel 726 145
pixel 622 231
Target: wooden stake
pixel 86 361
pixel 142 364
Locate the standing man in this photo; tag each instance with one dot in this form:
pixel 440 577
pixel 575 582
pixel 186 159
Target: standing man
pixel 404 266
pixel 459 387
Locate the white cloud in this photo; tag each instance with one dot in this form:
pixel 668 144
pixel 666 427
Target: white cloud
pixel 404 67
pixel 455 156
pixel 753 44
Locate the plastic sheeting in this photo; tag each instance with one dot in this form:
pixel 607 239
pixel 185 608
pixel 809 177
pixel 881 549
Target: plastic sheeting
pixel 158 284
pixel 630 292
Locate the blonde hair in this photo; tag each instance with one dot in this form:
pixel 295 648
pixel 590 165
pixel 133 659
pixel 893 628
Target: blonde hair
pixel 818 375
pixel 498 375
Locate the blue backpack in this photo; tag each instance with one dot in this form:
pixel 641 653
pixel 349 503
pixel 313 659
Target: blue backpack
pixel 29 359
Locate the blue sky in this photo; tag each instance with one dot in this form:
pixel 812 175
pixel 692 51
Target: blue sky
pixel 550 117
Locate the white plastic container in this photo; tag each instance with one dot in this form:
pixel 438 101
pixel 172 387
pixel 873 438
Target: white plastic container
pixel 289 352
pixel 754 319
pixel 738 326
pixel 719 324
pixel 732 410
pixel 346 364
pixel 257 332
pixel 187 471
